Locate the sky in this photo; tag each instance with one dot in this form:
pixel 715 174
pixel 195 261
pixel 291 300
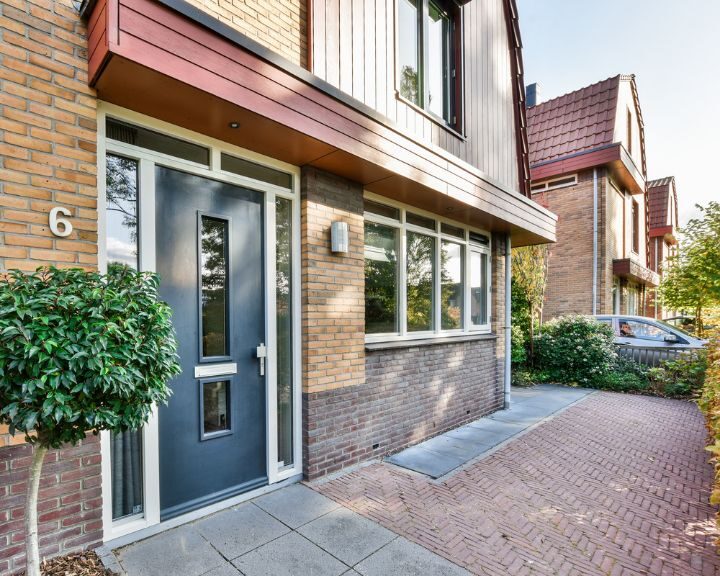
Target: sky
pixel 672 48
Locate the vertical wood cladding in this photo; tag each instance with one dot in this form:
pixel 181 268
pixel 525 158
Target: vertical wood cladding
pixel 354 45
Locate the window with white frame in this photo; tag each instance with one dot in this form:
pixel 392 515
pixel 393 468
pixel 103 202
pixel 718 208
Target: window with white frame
pixel 423 276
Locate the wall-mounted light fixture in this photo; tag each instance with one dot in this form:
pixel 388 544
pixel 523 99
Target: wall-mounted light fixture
pixel 340 237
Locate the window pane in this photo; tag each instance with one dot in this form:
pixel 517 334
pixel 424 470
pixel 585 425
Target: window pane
pixel 439 62
pixel 255 171
pixel 121 186
pixel 216 407
pixel 381 279
pixel 214 286
pixel 417 220
pixel 451 303
pixel 452 231
pixel 283 295
pixel 409 50
pixel 641 330
pixel 478 288
pixel 382 210
pixel 420 281
pixel 138 136
pixel 126 455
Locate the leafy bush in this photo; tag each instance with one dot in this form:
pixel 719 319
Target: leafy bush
pixel 79 352
pixel 518 350
pixel 575 349
pixel 683 376
pixel 523 378
pixel 82 352
pixel 626 376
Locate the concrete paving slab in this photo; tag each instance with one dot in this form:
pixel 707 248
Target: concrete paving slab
pixel 224 570
pixel 464 448
pixel 404 558
pixel 295 505
pixel 289 555
pixel 434 464
pixel 347 535
pixel 237 531
pixel 180 552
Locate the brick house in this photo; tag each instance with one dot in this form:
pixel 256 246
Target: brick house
pixel 329 204
pixel 663 228
pixel 587 164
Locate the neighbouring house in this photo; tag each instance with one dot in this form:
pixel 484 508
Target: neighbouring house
pixel 329 192
pixel 587 165
pixel 663 229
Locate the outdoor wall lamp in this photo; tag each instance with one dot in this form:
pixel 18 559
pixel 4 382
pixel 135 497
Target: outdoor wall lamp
pixel 340 237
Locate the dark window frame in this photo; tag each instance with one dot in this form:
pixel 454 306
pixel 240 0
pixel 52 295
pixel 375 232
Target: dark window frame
pixel 635 227
pixel 453 115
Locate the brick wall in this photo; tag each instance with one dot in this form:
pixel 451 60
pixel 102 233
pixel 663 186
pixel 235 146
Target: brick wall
pixel 359 405
pixel 47 159
pixel 280 25
pixel 70 501
pixel 570 264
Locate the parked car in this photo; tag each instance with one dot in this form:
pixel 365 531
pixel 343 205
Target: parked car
pixel 685 323
pixel 649 341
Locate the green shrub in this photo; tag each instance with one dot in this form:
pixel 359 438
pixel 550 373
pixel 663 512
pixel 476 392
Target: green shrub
pixel 683 376
pixel 518 350
pixel 626 376
pixel 523 378
pixel 575 350
pixel 79 352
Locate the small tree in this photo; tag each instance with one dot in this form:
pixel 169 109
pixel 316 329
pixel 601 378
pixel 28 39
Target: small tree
pixel 79 352
pixel 529 279
pixel 692 279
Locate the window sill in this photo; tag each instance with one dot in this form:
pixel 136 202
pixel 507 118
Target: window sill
pixel 432 117
pixel 431 341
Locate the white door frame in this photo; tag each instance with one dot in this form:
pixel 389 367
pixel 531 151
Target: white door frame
pixel 146 248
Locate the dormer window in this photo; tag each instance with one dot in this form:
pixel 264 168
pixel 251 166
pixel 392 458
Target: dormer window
pixel 428 57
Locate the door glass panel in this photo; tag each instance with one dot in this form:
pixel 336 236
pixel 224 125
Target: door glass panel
pixel 121 247
pixel 283 295
pixel 409 50
pixel 451 302
pixel 121 186
pixel 478 288
pixel 216 407
pixel 126 453
pixel 213 262
pixel 381 279
pixel 420 281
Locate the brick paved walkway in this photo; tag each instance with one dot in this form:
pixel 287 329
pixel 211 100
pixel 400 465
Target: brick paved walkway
pixel 615 485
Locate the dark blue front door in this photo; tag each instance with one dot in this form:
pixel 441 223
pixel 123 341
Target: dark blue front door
pixel 209 255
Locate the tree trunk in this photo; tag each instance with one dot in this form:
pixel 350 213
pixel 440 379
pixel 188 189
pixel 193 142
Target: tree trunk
pixel 31 517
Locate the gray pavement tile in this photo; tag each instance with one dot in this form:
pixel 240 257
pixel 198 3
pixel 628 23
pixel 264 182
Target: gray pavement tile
pixel 295 505
pixel 180 552
pixel 469 433
pixel 434 464
pixel 497 427
pixel 404 558
pixel 465 448
pixel 237 531
pixel 347 535
pixel 289 555
pixel 226 569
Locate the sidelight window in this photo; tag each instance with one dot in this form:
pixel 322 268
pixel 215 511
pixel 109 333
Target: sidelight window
pixel 428 56
pixel 423 276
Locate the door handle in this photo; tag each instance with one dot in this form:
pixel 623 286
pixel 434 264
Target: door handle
pixel 261 352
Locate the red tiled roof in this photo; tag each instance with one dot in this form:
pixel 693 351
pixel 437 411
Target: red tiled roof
pixel 577 121
pixel 658 195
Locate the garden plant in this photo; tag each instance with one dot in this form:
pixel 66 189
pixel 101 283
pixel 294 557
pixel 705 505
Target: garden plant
pixel 80 352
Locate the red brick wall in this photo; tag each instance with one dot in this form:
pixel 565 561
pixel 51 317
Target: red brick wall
pixel 70 501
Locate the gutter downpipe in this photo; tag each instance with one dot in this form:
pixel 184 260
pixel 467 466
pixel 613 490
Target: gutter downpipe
pixel 595 241
pixel 508 320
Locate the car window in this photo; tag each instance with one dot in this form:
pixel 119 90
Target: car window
pixel 641 330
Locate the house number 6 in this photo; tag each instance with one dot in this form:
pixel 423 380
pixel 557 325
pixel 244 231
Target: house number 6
pixel 58 225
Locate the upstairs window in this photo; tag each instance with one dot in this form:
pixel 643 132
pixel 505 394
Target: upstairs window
pixel 629 132
pixel 635 227
pixel 428 56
